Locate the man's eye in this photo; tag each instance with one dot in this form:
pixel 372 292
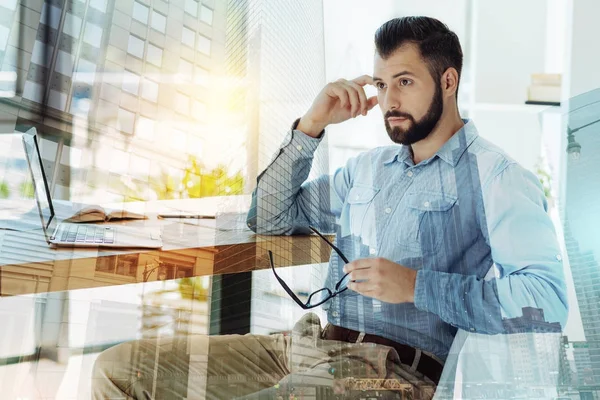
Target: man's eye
pixel 379 85
pixel 405 82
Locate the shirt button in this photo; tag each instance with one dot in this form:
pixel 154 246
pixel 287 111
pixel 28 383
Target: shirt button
pixel 559 258
pixel 409 174
pixel 372 251
pixel 427 204
pixel 299 147
pixel 335 314
pixel 472 329
pixel 388 210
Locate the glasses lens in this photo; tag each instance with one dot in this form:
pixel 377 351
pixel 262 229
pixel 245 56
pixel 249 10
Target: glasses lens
pixel 343 283
pixel 318 297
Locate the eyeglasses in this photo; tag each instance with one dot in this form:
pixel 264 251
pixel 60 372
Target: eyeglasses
pixel 320 296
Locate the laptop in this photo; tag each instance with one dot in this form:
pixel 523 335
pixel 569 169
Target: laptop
pixel 65 234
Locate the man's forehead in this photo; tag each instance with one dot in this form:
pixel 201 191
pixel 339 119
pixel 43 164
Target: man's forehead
pixel 405 58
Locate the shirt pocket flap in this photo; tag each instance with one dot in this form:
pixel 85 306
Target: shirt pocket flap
pixel 361 194
pixel 431 201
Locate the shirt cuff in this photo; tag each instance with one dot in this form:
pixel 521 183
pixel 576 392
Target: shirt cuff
pixel 301 144
pixel 425 293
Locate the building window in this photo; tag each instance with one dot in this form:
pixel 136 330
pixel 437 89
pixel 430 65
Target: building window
pixel 188 37
pixel 126 120
pixel 154 55
pixel 72 25
pixel 206 15
pixel 99 5
pixel 203 44
pixel 186 69
pixel 144 129
pixel 64 63
pixel 159 22
pixel 140 13
pixel 201 75
pixel 4 34
pixel 199 110
pixel 50 15
pixel 182 103
pixel 191 7
pixel 150 90
pixel 92 34
pixel 131 83
pixel 135 46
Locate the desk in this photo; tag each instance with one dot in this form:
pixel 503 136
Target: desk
pixel 28 265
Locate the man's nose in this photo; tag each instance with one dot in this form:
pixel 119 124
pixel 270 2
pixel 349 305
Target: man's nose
pixel 390 101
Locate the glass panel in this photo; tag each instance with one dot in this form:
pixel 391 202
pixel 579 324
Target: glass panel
pixel 201 75
pixel 199 110
pixel 131 82
pixel 318 296
pixel 126 120
pixel 343 283
pixel 37 56
pixel 4 33
pixel 191 7
pixel 72 25
pixel 53 18
pixel 150 90
pixel 135 46
pixel 140 12
pixel 188 37
pixel 159 22
pixel 186 69
pixel 99 5
pixel 154 55
pixel 182 103
pixel 144 128
pixel 206 15
pixel 64 63
pixel 93 34
pixel 203 44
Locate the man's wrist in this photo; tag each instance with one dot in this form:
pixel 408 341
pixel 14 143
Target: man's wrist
pixel 310 128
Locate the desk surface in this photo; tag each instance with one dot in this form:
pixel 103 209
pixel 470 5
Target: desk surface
pixel 190 248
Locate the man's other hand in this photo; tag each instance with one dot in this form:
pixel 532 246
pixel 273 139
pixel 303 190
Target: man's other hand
pixel 337 102
pixel 382 279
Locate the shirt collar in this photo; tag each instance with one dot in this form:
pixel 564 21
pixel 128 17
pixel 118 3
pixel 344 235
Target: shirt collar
pixel 450 152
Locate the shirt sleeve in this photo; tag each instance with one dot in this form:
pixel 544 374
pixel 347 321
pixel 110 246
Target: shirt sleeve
pixel 525 252
pixel 284 204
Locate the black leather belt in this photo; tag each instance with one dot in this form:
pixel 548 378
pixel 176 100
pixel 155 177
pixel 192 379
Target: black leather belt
pixel 427 365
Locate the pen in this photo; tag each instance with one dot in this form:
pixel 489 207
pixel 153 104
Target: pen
pixel 185 216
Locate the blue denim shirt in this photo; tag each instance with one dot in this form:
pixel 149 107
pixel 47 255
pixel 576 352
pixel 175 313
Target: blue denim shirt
pixel 470 220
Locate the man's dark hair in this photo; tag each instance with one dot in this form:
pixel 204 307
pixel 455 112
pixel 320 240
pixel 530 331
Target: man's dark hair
pixel 439 46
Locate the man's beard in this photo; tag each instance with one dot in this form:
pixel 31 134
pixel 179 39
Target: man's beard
pixel 417 130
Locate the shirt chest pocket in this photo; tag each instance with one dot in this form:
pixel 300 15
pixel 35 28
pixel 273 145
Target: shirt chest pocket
pixel 426 221
pixel 361 210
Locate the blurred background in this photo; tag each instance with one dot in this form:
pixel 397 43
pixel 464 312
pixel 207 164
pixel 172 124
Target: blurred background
pixel 139 100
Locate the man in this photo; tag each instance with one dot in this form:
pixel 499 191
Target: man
pixel 443 232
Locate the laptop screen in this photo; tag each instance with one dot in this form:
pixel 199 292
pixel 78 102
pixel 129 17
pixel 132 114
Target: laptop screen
pixel 40 185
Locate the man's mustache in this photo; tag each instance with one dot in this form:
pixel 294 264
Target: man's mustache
pixel 397 114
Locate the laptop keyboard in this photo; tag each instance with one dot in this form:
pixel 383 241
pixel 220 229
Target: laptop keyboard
pixel 87 234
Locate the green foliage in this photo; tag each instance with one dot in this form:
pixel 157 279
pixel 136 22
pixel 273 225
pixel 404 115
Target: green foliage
pixel 26 190
pixel 545 180
pixel 4 190
pixel 192 288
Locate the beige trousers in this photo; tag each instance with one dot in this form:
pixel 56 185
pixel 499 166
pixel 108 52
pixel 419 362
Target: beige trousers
pixel 254 366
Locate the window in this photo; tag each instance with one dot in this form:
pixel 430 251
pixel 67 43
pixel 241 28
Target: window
pixel 4 33
pixel 201 75
pixel 126 121
pixel 131 82
pixel 159 22
pixel 99 5
pixel 135 46
pixel 188 37
pixel 154 55
pixel 50 15
pixel 186 69
pixel 72 25
pixel 64 63
pixel 177 141
pixel 206 15
pixel 57 100
pixel 150 90
pixel 199 110
pixel 37 55
pixel 140 12
pixel 10 4
pixel 182 103
pixel 191 7
pixel 92 34
pixel 144 128
pixel 203 44
pixel 86 72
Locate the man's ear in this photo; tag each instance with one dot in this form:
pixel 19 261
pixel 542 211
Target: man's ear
pixel 450 81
